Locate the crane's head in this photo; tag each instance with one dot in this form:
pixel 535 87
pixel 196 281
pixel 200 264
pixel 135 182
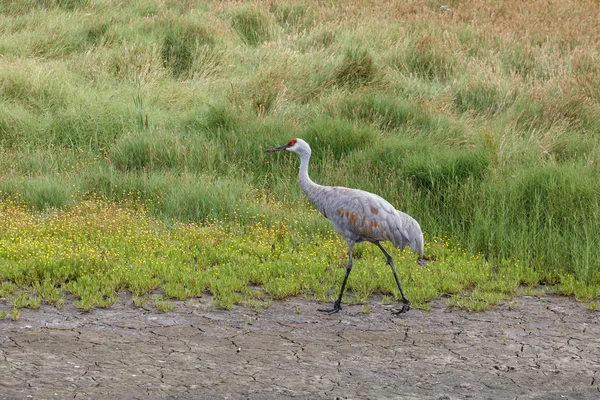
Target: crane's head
pixel 298 146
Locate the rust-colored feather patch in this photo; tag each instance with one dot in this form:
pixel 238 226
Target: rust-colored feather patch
pixel 353 219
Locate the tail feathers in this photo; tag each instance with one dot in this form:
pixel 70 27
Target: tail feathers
pixel 408 232
pixel 419 244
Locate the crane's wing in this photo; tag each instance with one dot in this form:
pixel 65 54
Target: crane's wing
pixel 362 216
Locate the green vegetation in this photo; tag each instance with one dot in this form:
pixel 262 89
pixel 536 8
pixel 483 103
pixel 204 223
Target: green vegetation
pixel 482 122
pixel 96 249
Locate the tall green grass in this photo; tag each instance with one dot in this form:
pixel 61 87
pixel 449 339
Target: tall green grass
pixel 253 25
pixel 484 133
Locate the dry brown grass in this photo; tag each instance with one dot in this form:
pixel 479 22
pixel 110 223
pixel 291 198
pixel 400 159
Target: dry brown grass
pixel 544 42
pixel 564 22
pixel 569 22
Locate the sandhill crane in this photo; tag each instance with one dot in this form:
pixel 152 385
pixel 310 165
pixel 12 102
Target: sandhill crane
pixel 358 216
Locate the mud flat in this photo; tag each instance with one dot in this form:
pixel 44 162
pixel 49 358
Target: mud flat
pixel 545 347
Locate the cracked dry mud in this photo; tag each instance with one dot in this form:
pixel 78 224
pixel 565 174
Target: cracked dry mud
pixel 545 347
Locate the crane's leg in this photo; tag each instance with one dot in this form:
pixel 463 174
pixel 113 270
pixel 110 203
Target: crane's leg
pixel 390 262
pixel 337 306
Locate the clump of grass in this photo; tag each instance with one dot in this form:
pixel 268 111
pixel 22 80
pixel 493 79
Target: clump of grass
pixel 338 136
pixel 265 91
pixel 483 98
pixel 317 40
pixel 447 167
pixel 554 107
pixel 252 25
pixel 65 4
pixel 21 300
pixel 410 171
pixel 7 288
pixel 295 17
pixel 357 68
pixel 535 213
pixel 27 85
pixel 139 62
pixel 385 112
pixel 48 292
pixel 568 146
pixel 92 130
pixel 97 33
pixel 208 62
pixel 149 151
pixel 57 34
pixel 570 286
pixel 14 121
pixel 221 118
pixel 427 58
pixel 518 59
pixel 40 112
pixel 199 198
pixel 181 45
pixel 42 192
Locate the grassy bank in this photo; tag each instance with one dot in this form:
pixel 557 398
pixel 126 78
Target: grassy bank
pixel 482 121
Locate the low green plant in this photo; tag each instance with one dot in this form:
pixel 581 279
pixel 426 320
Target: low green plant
pixel 140 301
pixel 35 302
pixel 48 292
pixel 8 288
pixel 21 300
pixel 162 304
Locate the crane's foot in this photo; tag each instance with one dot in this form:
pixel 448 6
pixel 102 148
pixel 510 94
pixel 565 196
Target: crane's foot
pixel 405 308
pixel 336 308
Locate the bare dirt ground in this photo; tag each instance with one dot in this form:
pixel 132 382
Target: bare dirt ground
pixel 545 347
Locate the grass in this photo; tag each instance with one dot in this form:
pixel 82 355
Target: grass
pixel 98 248
pixel 482 122
pixel 252 25
pixel 356 69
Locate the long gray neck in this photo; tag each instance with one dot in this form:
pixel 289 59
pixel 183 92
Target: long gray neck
pixel 309 187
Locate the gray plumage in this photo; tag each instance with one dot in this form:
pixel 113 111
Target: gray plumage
pixel 358 216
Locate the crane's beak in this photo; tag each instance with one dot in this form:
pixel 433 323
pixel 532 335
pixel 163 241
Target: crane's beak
pixel 280 148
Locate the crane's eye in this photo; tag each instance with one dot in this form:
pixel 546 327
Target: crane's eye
pixel 291 143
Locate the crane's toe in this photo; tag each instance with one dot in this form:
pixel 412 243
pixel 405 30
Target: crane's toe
pixel 329 311
pixel 336 308
pixel 405 308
